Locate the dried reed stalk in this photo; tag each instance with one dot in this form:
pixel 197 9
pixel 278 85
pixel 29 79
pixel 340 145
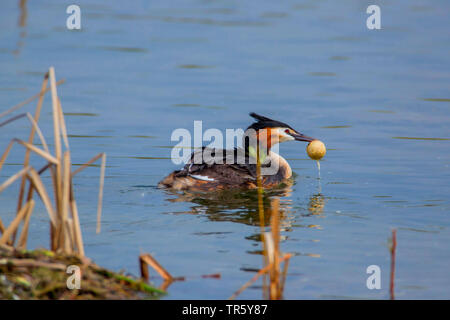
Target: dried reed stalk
pixel 144 269
pixel 30 263
pixel 13 178
pixel 85 165
pixel 393 251
pixel 264 270
pixel 76 224
pixel 67 237
pixel 101 185
pixel 4 123
pixel 26 160
pixel 6 248
pixel 24 235
pixel 100 192
pixel 39 132
pixel 5 154
pixel 63 125
pixel 275 292
pixel 15 223
pixel 261 214
pixel 58 151
pixel 34 128
pixel 65 231
pixel 40 189
pixel 283 275
pixel 146 260
pixel 69 241
pixel 46 155
pixel 165 285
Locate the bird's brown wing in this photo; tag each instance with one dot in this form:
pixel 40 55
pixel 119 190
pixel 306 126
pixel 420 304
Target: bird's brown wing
pixel 231 170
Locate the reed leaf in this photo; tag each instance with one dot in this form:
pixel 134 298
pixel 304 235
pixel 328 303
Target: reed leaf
pixel 13 178
pixel 15 223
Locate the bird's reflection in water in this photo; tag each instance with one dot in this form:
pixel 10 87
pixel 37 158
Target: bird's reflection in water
pixel 242 205
pixel 237 205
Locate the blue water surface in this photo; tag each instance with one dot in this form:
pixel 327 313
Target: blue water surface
pixel 138 70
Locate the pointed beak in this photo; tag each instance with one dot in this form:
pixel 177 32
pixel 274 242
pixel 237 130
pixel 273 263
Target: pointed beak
pixel 301 137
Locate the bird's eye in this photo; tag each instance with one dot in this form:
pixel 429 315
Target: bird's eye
pixel 287 131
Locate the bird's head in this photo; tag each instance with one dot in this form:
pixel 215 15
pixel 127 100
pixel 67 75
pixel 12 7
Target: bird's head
pixel 270 132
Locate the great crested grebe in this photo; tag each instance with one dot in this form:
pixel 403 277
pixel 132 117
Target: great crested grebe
pixel 237 167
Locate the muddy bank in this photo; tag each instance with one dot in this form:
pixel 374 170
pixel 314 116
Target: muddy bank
pixel 42 274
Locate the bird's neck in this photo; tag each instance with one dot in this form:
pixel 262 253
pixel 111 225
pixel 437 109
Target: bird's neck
pixel 273 160
pixel 255 151
pixel 255 144
pixel 284 169
pixel 266 137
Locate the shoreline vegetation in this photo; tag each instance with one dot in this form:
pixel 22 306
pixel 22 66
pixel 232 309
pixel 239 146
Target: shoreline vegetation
pixel 43 274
